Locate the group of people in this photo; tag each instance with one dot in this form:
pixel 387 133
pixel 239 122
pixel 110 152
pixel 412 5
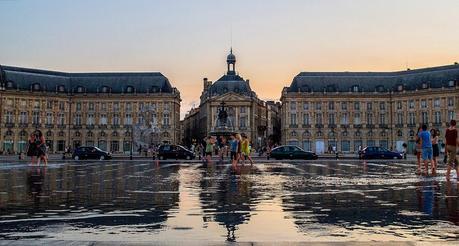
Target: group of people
pixel 427 148
pixel 36 148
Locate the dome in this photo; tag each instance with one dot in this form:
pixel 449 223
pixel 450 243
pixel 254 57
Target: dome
pixel 231 58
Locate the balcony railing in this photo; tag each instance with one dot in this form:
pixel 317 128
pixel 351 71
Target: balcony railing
pixel 437 124
pixel 49 126
pixel 23 125
pixel 115 126
pixel 370 125
pixel 331 125
pixel 411 125
pixel 344 125
pixel 293 126
pixel 103 126
pixel 77 126
pixel 306 125
pixel 9 125
pixel 90 126
pixel 399 125
pixel 319 125
pixel 61 126
pixel 382 125
pixel 358 126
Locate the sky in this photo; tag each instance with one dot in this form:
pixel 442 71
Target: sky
pixel 187 40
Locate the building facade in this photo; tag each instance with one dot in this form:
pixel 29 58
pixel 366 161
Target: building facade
pixel 246 112
pixel 92 109
pixel 351 109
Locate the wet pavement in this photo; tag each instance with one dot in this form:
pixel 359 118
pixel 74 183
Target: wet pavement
pixel 313 201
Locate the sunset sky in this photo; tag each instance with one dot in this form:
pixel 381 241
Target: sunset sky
pixel 188 40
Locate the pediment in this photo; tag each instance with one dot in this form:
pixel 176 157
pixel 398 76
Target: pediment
pixel 231 96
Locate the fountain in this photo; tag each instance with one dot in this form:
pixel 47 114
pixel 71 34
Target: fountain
pixel 223 124
pixel 146 132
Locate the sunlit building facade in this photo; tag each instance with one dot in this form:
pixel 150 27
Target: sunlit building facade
pixel 91 109
pixel 351 109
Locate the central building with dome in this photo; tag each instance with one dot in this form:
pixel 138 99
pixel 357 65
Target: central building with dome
pixel 246 112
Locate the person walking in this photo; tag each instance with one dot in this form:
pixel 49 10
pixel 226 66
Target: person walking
pixel 209 148
pixel 426 148
pixel 42 151
pixel 233 149
pixel 435 150
pixel 245 149
pixel 418 150
pixel 451 144
pixel 239 147
pixel 32 150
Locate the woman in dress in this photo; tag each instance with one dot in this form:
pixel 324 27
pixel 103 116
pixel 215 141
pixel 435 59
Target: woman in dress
pixel 41 147
pixel 32 148
pixel 435 150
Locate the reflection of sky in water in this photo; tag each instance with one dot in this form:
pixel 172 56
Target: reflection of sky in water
pixel 134 201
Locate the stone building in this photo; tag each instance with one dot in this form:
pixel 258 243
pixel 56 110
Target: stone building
pixel 93 109
pixel 246 112
pixel 352 109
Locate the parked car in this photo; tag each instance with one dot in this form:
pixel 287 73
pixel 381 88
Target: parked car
pixel 81 153
pixel 292 152
pixel 379 153
pixel 174 152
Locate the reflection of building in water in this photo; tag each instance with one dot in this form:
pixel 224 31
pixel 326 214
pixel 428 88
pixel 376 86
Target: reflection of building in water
pixel 227 198
pixel 93 191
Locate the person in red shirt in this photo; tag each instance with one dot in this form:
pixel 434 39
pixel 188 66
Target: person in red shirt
pixel 451 143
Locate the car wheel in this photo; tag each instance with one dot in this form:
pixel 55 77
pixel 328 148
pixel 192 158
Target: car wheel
pixel 102 157
pixel 188 157
pixel 76 158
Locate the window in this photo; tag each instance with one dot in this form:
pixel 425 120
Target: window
pixel 90 120
pixel 61 88
pixel 36 87
pixel 9 117
pixel 128 119
pixel 306 119
pixel 451 83
pixel 49 104
pixel 355 88
pixel 382 106
pixel 411 118
pixel 103 119
pixel 36 104
pixel 23 118
pixel 331 118
pixel 318 106
pixel 116 119
pixel 103 107
pixel 78 106
pixel 382 119
pixel 305 105
pixel 243 122
pixel 369 106
pixel 344 119
pixel 293 106
pixel 167 106
pixel 399 105
pixel 450 115
pixel 437 116
pixel 60 145
pixel 357 118
pixel 116 106
pixel 423 103
pixel 61 106
pixel 49 118
pixel 242 110
pixel 437 102
pixel 400 118
pixel 129 89
pixel 411 104
pixel 425 85
pixel 115 146
pixel 77 119
pixel 344 106
pixel 128 106
pixel 166 119
pixel 425 118
pixel 400 87
pixel 80 89
pixel 105 89
pixel 356 105
pixel 91 106
pixel 319 118
pixel 140 119
pixel 331 105
pixel 450 102
pixel 293 119
pixel 61 119
pixel 369 118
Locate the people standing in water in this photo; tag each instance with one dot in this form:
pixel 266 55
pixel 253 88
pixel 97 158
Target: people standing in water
pixel 32 150
pixel 245 149
pixel 41 148
pixel 209 148
pixel 435 150
pixel 451 145
pixel 426 148
pixel 239 147
pixel 233 149
pixel 418 150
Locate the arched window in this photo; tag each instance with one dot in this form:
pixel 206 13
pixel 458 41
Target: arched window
pixel 154 89
pixel 49 133
pixel 399 133
pixel 345 133
pixel 129 89
pixel 411 133
pixel 425 85
pixel 80 89
pixel 358 133
pixel 61 134
pixel 61 88
pixel 306 134
pixel 331 134
pixel 115 134
pixel 36 87
pixel 166 135
pixel 102 134
pixel 105 89
pixel 370 133
pixel 293 134
pixel 77 134
pixel 89 134
pixel 9 85
pixel 319 134
pixel 22 133
pixel 9 133
pixel 355 88
pixel 400 88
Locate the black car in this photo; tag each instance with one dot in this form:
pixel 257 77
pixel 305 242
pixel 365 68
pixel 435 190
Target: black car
pixel 292 152
pixel 379 153
pixel 174 152
pixel 81 153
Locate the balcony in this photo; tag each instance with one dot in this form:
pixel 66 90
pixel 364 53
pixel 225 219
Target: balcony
pixel 411 125
pixel 103 126
pixel 9 125
pixel 115 126
pixel 357 126
pixel 370 126
pixel 319 125
pixel 90 126
pixel 49 126
pixel 436 124
pixel 165 127
pixel 36 125
pixel 306 125
pixel 344 126
pixel 383 126
pixel 61 126
pixel 332 126
pixel 293 126
pixel 398 125
pixel 23 125
pixel 77 126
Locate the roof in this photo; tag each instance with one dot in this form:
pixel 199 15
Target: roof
pixel 230 83
pixel 434 77
pixel 141 82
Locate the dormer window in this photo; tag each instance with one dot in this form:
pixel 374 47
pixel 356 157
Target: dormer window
pixel 355 88
pixel 330 88
pixel 36 87
pixel 80 89
pixel 9 85
pixel 425 85
pixel 105 89
pixel 305 88
pixel 61 88
pixel 154 89
pixel 129 89
pixel 380 88
pixel 451 83
pixel 400 88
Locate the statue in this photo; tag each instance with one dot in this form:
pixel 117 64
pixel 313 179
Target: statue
pixel 222 115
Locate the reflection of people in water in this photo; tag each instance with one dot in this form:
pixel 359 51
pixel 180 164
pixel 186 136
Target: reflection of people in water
pixel 35 180
pixel 452 202
pixel 427 197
